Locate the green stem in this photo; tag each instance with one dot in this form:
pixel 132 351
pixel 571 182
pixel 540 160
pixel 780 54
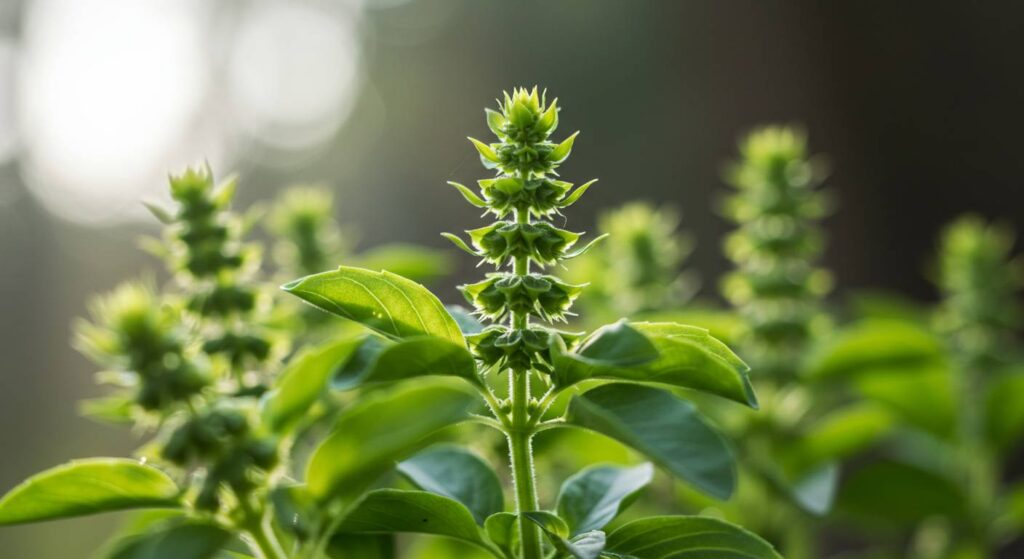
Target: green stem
pixel 520 434
pixel 258 528
pixel 521 430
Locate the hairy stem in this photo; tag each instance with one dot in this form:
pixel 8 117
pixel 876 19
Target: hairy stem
pixel 520 433
pixel 520 448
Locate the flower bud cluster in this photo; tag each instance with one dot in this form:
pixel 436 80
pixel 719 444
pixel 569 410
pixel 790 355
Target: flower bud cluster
pixel 637 269
pixel 776 287
pixel 223 440
pixel 144 346
pixel 303 219
pixel 980 281
pixel 523 197
pixel 208 251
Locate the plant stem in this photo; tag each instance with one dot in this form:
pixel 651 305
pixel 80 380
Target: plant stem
pixel 257 527
pixel 520 432
pixel 520 435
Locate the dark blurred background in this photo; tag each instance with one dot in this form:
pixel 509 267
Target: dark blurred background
pixel 918 106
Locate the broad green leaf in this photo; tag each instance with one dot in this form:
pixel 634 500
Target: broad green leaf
pixel 468 323
pixel 666 429
pixel 1004 412
pixel 816 491
pixel 192 540
pixel 687 357
pixel 875 344
pixel 503 530
pixel 388 303
pixel 890 495
pixel 83 487
pixel 372 435
pixel 458 474
pixel 666 537
pixel 304 381
pixel 361 546
pixel 607 349
pixel 584 546
pixel 590 499
pixel 420 356
pixel 420 512
pixel 920 395
pixel 842 433
pixel 295 510
pixel 723 325
pixel 414 262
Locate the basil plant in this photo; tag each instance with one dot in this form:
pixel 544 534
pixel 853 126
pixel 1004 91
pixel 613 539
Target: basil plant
pixel 265 450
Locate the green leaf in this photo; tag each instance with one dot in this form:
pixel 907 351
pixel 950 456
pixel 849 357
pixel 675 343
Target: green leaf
pixel 361 546
pixel 608 348
pixel 562 150
pixel 576 194
pixel 496 122
pixel 666 429
pixel 590 499
pixel 458 474
pixel 372 435
pixel 1004 414
pixel 84 487
pixel 503 530
pixel 390 304
pixel 687 357
pixel 875 344
pixel 192 540
pixel 889 495
pixel 295 510
pixel 419 512
pixel 842 433
pixel 414 262
pixel 487 155
pixel 304 381
pixel 584 546
pixel 412 357
pixel 469 195
pixel 816 491
pixel 921 395
pixel 468 323
pixel 663 537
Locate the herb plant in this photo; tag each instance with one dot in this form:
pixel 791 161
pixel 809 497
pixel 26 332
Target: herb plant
pixel 555 379
pixel 638 268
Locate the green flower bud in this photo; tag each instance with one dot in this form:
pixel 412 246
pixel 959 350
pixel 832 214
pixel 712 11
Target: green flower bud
pixel 980 281
pixel 776 287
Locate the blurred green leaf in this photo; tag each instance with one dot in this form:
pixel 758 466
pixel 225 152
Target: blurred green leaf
pixel 921 396
pixel 874 344
pixel 192 540
pixel 84 487
pixel 361 546
pixel 1004 410
pixel 419 356
pixel 372 435
pixel 666 429
pixel 665 537
pixel 304 381
pixel 388 303
pixel 841 434
pixel 889 495
pixel 590 499
pixel 420 512
pixel 816 491
pixel 415 262
pixel 458 474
